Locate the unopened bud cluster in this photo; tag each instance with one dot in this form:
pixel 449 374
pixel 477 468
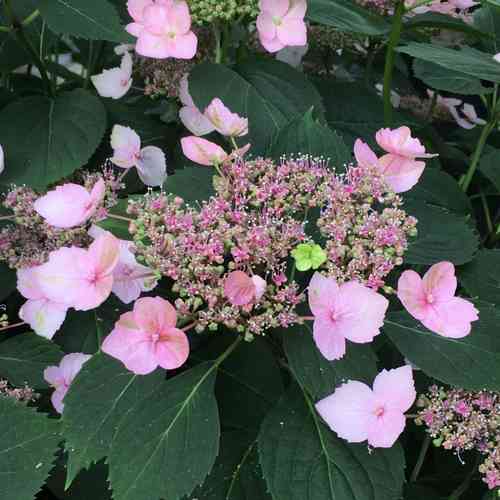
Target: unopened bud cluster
pixel 461 420
pixel 210 11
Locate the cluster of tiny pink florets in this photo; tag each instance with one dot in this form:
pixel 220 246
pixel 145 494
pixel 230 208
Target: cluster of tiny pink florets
pixel 28 241
pixel 257 217
pixel 460 420
pixel 25 394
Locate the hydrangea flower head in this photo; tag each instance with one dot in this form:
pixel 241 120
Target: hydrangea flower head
pixel 357 413
pixel 147 337
pixel 432 301
pixel 308 256
pixel 350 311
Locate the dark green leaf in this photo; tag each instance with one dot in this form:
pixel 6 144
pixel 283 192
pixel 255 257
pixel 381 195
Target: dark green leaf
pixel 305 135
pixel 78 333
pixel 304 460
pixel 99 397
pixel 320 376
pixel 63 134
pixel 355 111
pixel 347 16
pixel 267 92
pixel 442 235
pixel 440 78
pixel 23 359
pixel 444 22
pixel 28 443
pixel 89 19
pixel 490 166
pixel 116 226
pixel 236 474
pixel 487 20
pixel 170 439
pixel 481 277
pixel 469 61
pixel 192 183
pixel 8 278
pixel 436 187
pixel 471 362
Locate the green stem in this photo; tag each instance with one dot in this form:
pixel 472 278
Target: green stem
pixel 487 214
pixel 89 64
pixel 19 33
pixel 227 352
pixel 218 49
pixel 467 179
pixel 390 57
pixel 421 459
pixel 28 20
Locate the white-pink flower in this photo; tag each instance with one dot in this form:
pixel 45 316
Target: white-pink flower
pixel 350 311
pixel 147 337
pixel 162 28
pixel 80 278
pixel 281 23
pixel 70 205
pixel 127 153
pixel 191 117
pixel 432 301
pixel 2 160
pixel 357 413
pixel 202 151
pixel 115 82
pixel 43 315
pixel 224 121
pixel 60 377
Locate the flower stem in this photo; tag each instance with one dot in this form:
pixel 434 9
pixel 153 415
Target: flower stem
pixel 421 459
pixel 15 325
pixel 390 56
pixel 466 482
pixel 467 179
pixel 227 352
pixel 119 217
pixel 218 48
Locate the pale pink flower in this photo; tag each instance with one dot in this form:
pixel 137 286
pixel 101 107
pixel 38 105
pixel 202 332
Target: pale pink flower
pixel 115 82
pixel 357 413
pixel 127 153
pixel 350 311
pixel 60 377
pixel 191 117
pixel 80 278
pixel 466 116
pixel 202 151
pixel 163 28
pixel 147 337
pixel 432 301
pixel 44 316
pixel 497 57
pixel 281 23
pixel 400 175
pixel 241 289
pixel 2 160
pixel 399 142
pixel 130 278
pixel 70 205
pixel 224 121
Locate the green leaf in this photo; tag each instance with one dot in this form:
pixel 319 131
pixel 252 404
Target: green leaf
pixel 89 19
pixel 23 359
pixel 267 92
pixel 442 235
pixel 78 333
pixel 99 397
pixel 443 22
pixel 305 135
pixel 191 183
pixel 118 227
pixel 440 78
pixel 167 442
pixel 236 474
pixel 245 394
pixel 490 166
pixel 471 362
pixel 28 443
pixel 436 187
pixel 481 277
pixel 469 61
pixel 63 133
pixel 355 111
pixel 347 16
pixel 487 20
pixel 304 460
pixel 318 375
